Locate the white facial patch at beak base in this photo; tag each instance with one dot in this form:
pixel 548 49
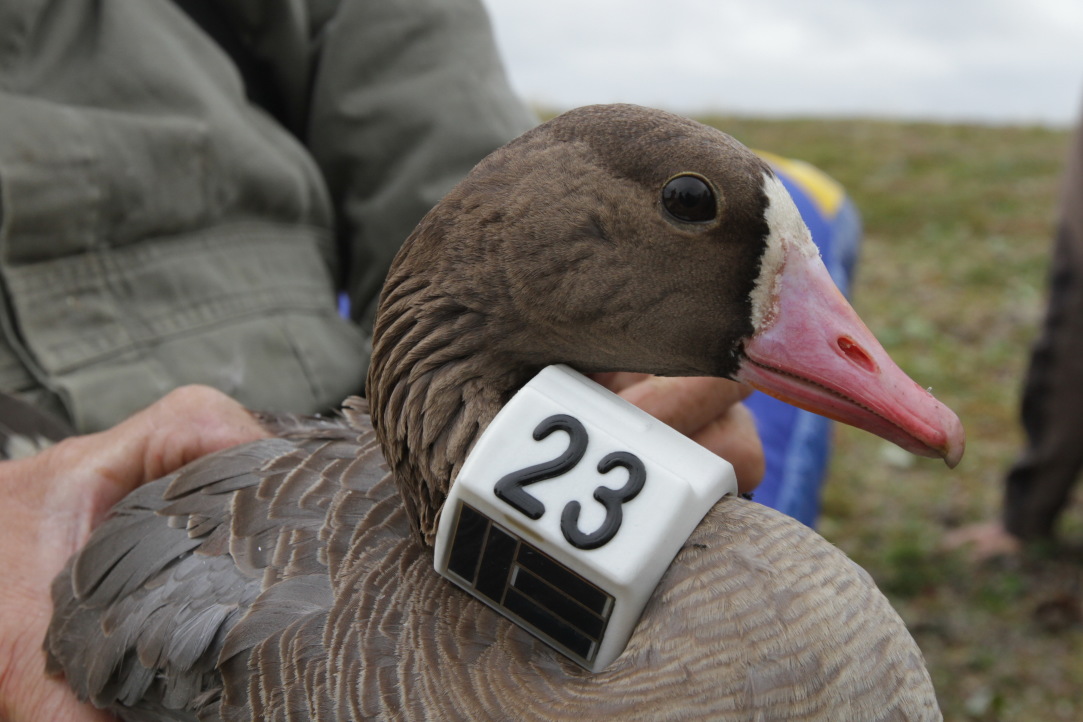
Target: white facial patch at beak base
pixel 810 349
pixel 788 237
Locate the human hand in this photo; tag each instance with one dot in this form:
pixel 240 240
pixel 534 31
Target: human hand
pixel 707 410
pixel 49 503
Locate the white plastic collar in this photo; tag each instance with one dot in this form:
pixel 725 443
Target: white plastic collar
pixel 567 534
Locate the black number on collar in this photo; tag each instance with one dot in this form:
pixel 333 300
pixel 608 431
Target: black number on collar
pixel 611 499
pixel 510 487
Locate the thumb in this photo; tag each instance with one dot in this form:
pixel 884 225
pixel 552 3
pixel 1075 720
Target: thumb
pixel 182 426
pixel 187 423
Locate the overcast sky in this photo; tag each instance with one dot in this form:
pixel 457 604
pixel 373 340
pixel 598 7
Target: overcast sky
pixel 986 60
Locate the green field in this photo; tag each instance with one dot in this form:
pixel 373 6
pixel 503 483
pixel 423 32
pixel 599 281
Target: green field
pixel 958 226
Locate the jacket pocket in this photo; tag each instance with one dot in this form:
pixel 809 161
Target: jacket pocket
pixel 75 179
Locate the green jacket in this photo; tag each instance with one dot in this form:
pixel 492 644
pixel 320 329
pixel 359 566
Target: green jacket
pixel 186 187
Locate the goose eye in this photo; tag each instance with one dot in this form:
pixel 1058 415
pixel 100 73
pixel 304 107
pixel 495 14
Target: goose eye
pixel 689 198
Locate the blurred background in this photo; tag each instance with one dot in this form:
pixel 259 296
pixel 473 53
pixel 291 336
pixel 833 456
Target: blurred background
pixel 948 123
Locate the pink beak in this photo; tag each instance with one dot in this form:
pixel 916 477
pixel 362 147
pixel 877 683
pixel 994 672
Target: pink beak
pixel 817 354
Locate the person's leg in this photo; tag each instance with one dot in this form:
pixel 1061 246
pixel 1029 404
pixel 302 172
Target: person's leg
pixel 1039 485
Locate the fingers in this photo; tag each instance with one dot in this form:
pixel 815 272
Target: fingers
pixel 734 437
pixel 184 425
pixel 617 381
pixel 708 410
pixel 102 468
pixel 48 698
pixel 685 403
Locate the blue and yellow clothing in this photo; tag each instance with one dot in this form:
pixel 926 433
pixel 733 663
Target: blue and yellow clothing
pixel 797 443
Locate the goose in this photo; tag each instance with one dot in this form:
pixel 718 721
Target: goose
pixel 292 577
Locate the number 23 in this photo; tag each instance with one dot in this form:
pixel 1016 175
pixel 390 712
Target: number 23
pixel 510 487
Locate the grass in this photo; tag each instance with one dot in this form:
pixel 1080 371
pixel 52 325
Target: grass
pixel 958 227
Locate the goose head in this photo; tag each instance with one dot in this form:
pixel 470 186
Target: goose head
pixel 619 238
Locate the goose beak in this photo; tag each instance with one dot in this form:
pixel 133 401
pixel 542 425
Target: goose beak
pixel 813 351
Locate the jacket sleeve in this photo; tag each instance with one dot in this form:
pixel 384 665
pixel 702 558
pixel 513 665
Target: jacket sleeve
pixel 407 97
pixel 182 200
pixel 396 101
